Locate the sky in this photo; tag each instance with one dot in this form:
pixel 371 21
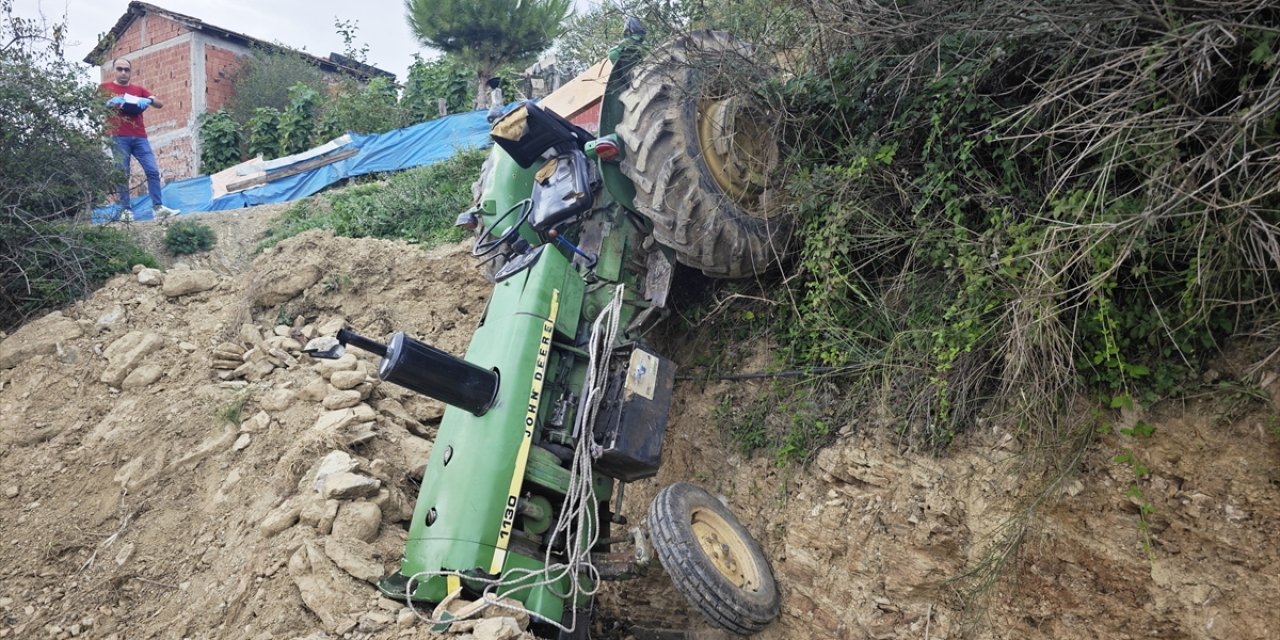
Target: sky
pixel 301 24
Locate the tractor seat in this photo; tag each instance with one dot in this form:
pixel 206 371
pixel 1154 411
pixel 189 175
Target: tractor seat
pixel 527 132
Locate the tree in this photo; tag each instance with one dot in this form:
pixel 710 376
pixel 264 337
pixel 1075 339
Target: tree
pixel 445 78
pixel 488 33
pixel 53 167
pixel 265 78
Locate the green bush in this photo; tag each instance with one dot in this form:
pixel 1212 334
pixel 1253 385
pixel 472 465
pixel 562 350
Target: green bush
pixel 428 82
pixel 298 121
pixel 57 264
pixel 188 236
pixel 219 141
pixel 264 133
pixel 418 205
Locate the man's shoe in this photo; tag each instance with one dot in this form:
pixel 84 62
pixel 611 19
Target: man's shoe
pixel 164 213
pixel 126 215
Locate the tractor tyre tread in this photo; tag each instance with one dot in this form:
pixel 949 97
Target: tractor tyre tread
pixel 724 604
pixel 675 190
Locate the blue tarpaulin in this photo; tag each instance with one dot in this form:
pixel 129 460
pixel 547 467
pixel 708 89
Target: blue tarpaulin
pixel 414 146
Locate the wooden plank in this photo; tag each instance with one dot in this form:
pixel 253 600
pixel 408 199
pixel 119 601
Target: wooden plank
pixel 293 170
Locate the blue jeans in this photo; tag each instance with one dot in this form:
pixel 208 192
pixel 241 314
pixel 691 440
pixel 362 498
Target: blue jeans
pixel 140 148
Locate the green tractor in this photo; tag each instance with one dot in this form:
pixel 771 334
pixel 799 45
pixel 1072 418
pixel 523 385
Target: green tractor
pixel 558 403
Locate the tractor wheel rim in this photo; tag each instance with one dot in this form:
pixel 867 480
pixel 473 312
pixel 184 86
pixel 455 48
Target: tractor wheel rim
pixel 738 148
pixel 726 550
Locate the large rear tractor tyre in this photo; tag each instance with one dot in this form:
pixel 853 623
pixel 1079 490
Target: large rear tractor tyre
pixel 712 559
pixel 700 148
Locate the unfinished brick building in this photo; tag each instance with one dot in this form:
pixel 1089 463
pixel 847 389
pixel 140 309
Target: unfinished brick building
pixel 190 65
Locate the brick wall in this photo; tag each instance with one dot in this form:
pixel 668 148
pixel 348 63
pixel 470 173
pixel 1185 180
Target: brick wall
pixel 220 65
pixel 166 72
pixel 157 29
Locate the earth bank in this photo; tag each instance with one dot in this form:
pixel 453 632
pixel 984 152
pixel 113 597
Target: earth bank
pixel 172 466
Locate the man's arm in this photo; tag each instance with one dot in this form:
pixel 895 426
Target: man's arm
pixel 155 102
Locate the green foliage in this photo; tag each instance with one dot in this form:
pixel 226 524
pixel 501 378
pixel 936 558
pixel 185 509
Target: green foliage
pixel 418 205
pixel 188 236
pixel 264 133
pixel 52 168
pixel 446 77
pixel 784 421
pixel 298 121
pixel 266 79
pixel 997 207
pixel 588 36
pixel 486 34
pixel 232 412
pixel 55 264
pixel 372 108
pixel 219 141
pixel 1141 474
pixel 347 29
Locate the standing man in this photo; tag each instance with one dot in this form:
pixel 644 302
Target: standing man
pixel 130 137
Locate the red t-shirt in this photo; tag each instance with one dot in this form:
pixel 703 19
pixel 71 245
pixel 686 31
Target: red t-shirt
pixel 120 124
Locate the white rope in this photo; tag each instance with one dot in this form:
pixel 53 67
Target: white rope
pixel 581 510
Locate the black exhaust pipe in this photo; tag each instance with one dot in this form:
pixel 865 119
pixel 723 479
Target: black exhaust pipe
pixel 420 367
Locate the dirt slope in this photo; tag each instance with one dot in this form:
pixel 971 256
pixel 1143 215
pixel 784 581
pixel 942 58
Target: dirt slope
pixel 147 494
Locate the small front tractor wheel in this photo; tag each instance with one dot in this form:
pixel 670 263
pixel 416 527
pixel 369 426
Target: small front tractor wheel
pixel 712 559
pixel 701 149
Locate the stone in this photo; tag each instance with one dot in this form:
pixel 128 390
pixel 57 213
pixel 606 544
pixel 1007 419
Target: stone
pixel 277 521
pixel 345 485
pixel 250 336
pixel 126 552
pixel 149 277
pixel 273 287
pixel 109 319
pixel 225 365
pixel 347 362
pixel 496 629
pixel 326 590
pixel 331 327
pixel 242 442
pixel 394 505
pixel 334 420
pixel 358 521
pixel 38 337
pixel 12 492
pixel 320 514
pixel 354 557
pixel 278 399
pixel 359 433
pixel 346 379
pixel 180 283
pixel 261 421
pixel 406 617
pixel 142 376
pixel 333 462
pixel 314 391
pixel 126 353
pixel 341 400
pixel 256 371
pixel 510 608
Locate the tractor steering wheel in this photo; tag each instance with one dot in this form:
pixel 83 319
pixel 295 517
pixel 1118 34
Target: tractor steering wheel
pixel 483 245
